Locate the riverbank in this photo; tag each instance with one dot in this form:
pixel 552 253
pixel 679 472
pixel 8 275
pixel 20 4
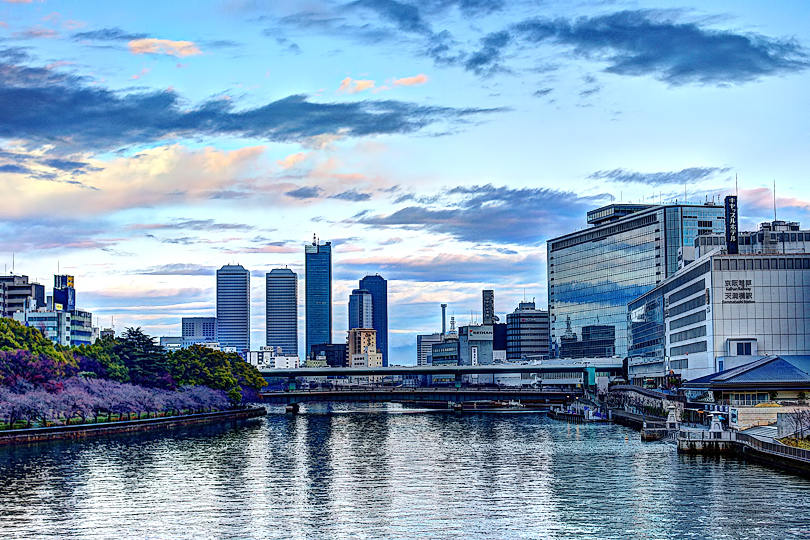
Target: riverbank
pixel 34 435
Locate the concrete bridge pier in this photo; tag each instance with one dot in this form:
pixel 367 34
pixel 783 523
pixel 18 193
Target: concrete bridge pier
pixel 292 408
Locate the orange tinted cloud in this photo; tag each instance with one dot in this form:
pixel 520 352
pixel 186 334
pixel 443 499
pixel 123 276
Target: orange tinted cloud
pixel 353 86
pixel 164 46
pixel 412 81
pixel 292 160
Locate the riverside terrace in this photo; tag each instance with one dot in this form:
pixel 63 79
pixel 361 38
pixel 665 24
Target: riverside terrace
pixel 549 373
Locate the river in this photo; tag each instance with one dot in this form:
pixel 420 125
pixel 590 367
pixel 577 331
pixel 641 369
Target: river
pixel 381 471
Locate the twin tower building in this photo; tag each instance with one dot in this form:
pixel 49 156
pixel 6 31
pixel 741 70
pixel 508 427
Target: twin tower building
pixel 368 305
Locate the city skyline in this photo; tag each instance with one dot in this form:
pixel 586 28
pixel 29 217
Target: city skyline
pixel 438 144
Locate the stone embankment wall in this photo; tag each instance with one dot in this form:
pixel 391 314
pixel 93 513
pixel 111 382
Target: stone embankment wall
pixel 22 436
pixel 631 399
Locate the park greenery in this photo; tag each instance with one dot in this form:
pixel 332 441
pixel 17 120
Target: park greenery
pixel 113 379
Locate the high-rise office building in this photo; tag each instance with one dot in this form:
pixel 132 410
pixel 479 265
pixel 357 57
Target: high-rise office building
pixel 360 309
pixel 198 330
pixel 282 310
pixel 318 268
pixel 378 287
pixel 64 293
pixel 233 307
pixel 526 332
pixel 594 273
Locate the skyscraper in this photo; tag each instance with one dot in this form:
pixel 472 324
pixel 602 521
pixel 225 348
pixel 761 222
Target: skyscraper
pixel 378 288
pixel 233 307
pixel 282 310
pixel 318 268
pixel 594 273
pixel 360 309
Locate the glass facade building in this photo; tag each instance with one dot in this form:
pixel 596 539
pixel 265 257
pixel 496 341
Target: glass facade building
pixel 360 309
pixel 281 305
pixel 318 267
pixel 378 288
pixel 593 274
pixel 233 307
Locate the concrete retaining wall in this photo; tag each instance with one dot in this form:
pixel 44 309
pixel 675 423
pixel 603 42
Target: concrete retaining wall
pixel 22 436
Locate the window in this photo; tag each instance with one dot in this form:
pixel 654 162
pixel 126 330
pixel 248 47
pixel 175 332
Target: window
pixel 743 349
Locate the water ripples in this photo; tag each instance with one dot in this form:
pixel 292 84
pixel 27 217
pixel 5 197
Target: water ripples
pixel 369 472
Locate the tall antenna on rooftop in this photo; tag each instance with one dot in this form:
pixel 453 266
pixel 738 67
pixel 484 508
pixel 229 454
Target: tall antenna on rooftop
pixel 774 200
pixel 736 186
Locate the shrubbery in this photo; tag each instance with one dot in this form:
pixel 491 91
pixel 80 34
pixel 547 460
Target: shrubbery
pixel 42 383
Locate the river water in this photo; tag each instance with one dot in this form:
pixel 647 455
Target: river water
pixel 387 472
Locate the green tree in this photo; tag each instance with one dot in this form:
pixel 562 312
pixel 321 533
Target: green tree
pixel 102 353
pixel 200 365
pixel 247 374
pixel 146 362
pixel 15 336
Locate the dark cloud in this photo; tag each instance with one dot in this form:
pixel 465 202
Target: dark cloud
pixel 194 225
pixel 488 59
pixel 543 92
pixel 222 44
pixel 64 164
pixel 644 42
pixel 185 240
pixel 499 215
pixel 685 176
pixel 108 34
pixel 73 114
pixel 468 8
pixel 305 192
pixel 14 168
pixel 405 16
pixel 177 269
pixel 352 195
pixel 34 234
pixel 445 267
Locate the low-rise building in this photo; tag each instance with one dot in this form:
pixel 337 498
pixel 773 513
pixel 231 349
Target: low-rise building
pixel 720 307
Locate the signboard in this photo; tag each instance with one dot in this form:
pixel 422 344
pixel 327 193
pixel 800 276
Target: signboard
pixel 731 224
pixel 738 291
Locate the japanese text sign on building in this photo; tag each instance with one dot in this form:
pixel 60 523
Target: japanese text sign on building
pixel 731 224
pixel 738 291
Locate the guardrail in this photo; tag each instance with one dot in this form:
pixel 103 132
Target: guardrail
pixel 771 448
pixel 705 435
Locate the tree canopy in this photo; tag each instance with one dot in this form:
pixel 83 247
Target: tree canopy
pixel 30 358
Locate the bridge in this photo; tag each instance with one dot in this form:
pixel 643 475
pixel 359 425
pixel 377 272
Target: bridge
pixel 555 386
pixel 424 396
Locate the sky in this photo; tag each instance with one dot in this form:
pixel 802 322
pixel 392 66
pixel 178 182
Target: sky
pixel 438 143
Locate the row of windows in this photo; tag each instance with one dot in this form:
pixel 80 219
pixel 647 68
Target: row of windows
pixel 686 306
pixel 700 316
pixel 688 291
pixel 762 264
pixel 691 348
pixel 605 232
pixel 678 282
pixel 692 333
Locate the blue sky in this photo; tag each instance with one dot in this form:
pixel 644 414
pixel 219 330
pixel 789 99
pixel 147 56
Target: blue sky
pixel 439 144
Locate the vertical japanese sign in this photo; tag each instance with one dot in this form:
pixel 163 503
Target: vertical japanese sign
pixel 731 225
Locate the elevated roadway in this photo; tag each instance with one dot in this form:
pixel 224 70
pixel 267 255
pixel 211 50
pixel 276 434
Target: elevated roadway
pixel 432 396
